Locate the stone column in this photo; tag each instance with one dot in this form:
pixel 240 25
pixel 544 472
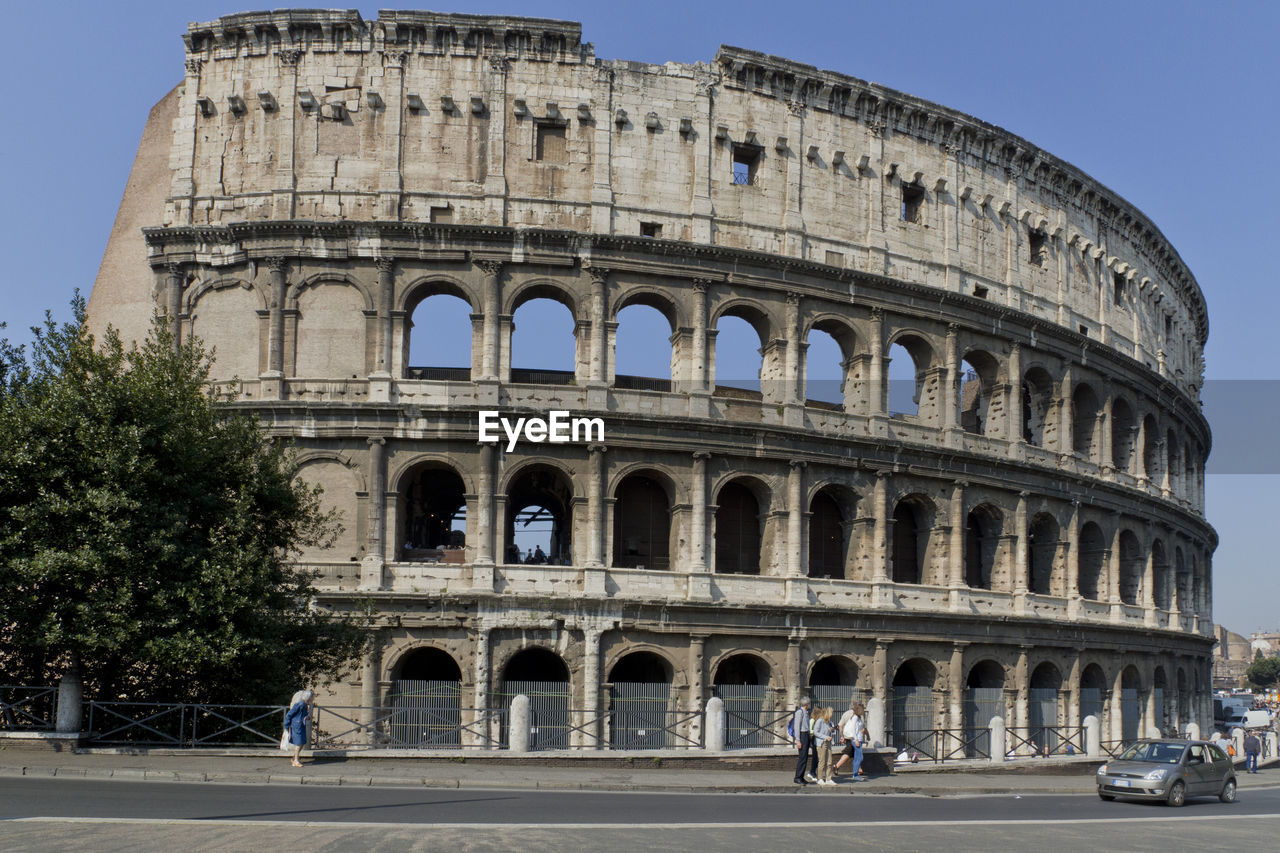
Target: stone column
pixel 879 546
pixel 386 299
pixel 793 392
pixel 797 560
pixel 275 311
pixel 489 362
pixel 698 516
pixel 1106 451
pixel 595 506
pixel 792 677
pixel 1149 583
pixel 1022 684
pixel 1073 692
pixel 880 671
pixel 599 374
pixel 376 541
pixel 1073 552
pixel 694 666
pixel 1020 535
pixel 1113 564
pixel 481 702
pixel 699 380
pixel 1066 426
pixel 369 677
pixel 1013 414
pixel 483 531
pixel 876 380
pixel 951 387
pixel 591 688
pixel 955 548
pixel 955 684
pixel 495 182
pixel 174 278
pixel 1116 706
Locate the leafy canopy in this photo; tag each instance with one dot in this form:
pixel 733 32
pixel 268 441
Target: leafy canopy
pixel 1264 672
pixel 145 529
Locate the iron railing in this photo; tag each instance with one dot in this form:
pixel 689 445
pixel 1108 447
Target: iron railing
pixel 28 708
pixel 184 724
pixel 398 727
pixel 1046 740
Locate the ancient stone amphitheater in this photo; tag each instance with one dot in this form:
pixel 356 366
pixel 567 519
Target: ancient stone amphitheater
pixel 1027 541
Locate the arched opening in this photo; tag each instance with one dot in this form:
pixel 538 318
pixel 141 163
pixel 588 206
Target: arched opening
pixel 640 701
pixel 1132 566
pixel 1093 550
pixel 737 531
pixel 912 716
pixel 1124 435
pixel 433 515
pixel 981 541
pixel 977 383
pixel 1160 698
pixel 1151 450
pixel 1043 710
pixel 1085 408
pixel 1042 550
pixel 741 681
pixel 1160 575
pixel 910 393
pixel 544 343
pixel 983 699
pixel 426 701
pixel 1037 404
pixel 1130 706
pixel 823 370
pixel 831 683
pixel 440 337
pixel 1093 684
pixel 826 537
pixel 539 518
pixel 912 521
pixel 641 361
pixel 641 524
pixel 739 353
pixel 542 676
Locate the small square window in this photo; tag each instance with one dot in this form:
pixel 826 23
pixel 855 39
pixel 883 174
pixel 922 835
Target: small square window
pixel 746 164
pixel 442 214
pixel 1084 330
pixel 550 146
pixel 650 229
pixel 912 201
pixel 979 291
pixel 1038 247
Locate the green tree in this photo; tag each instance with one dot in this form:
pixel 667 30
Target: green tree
pixel 1263 672
pixel 146 529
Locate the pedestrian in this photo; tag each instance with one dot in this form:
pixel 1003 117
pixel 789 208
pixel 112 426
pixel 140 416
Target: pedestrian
pixel 822 734
pixel 296 722
pixel 1252 746
pixel 803 742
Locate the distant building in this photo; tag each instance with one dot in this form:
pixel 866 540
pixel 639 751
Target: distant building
pixel 1231 658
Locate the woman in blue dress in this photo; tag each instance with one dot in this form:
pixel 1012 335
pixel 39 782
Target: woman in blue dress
pixel 296 720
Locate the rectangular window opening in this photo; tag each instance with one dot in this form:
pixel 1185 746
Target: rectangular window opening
pixel 1168 326
pixel 1038 244
pixel 442 214
pixel 1117 281
pixel 835 259
pixel 650 229
pixel 979 291
pixel 912 201
pixel 550 146
pixel 1084 330
pixel 746 163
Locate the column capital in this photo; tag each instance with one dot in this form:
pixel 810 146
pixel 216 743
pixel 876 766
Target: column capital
pixel 385 264
pixel 194 64
pixel 597 448
pixel 277 263
pixel 498 64
pixel 702 454
pixel 1024 494
pixel 700 285
pixel 877 314
pixel 953 328
pixel 289 56
pixel 797 464
pixel 376 440
pixel 488 266
pixel 793 298
pixel 599 275
pixel 175 269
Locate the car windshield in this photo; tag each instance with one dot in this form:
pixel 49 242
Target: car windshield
pixel 1156 753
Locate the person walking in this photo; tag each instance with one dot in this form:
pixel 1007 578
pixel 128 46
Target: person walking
pixel 1252 747
pixel 854 731
pixel 803 742
pixel 296 722
pixel 822 734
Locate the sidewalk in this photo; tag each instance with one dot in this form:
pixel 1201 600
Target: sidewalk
pixel 272 767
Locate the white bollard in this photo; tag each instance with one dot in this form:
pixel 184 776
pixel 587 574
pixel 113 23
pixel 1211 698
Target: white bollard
pixel 1237 738
pixel 1092 736
pixel 1193 731
pixel 1154 733
pixel 998 750
pixel 518 725
pixel 875 723
pixel 715 723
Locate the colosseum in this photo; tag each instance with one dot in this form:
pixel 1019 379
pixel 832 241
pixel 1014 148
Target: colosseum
pixel 1022 536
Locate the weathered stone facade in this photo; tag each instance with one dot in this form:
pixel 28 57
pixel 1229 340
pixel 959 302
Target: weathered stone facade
pixel 1039 527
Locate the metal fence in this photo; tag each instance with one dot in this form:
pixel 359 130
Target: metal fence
pixel 980 705
pixel 1046 740
pixel 413 727
pixel 549 726
pixel 184 724
pixel 639 715
pixel 27 708
pixel 425 714
pixel 1130 714
pixel 837 696
pixel 748 723
pixel 911 720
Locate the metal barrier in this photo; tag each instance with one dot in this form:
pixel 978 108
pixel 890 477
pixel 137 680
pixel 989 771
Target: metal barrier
pixel 1046 740
pixel 28 708
pixel 358 727
pixel 1113 748
pixel 958 744
pixel 659 730
pixel 184 724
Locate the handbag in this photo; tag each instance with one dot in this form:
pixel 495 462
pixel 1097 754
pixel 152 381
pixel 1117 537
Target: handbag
pixel 285 744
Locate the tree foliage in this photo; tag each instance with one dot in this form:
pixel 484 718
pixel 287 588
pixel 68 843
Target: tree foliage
pixel 1263 673
pixel 145 529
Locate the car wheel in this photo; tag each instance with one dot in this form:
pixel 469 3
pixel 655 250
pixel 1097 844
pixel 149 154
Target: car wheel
pixel 1177 794
pixel 1228 794
pixel 1107 797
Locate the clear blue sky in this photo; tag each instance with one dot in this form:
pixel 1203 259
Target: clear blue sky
pixel 1173 105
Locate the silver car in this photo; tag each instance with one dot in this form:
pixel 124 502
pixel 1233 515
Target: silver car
pixel 1169 770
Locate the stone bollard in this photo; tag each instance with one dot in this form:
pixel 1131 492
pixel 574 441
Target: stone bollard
pixel 1237 738
pixel 1154 732
pixel 998 749
pixel 715 724
pixel 1193 731
pixel 875 722
pixel 518 725
pixel 1092 736
pixel 70 704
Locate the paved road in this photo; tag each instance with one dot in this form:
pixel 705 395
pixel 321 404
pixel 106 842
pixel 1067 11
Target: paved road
pixel 59 814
